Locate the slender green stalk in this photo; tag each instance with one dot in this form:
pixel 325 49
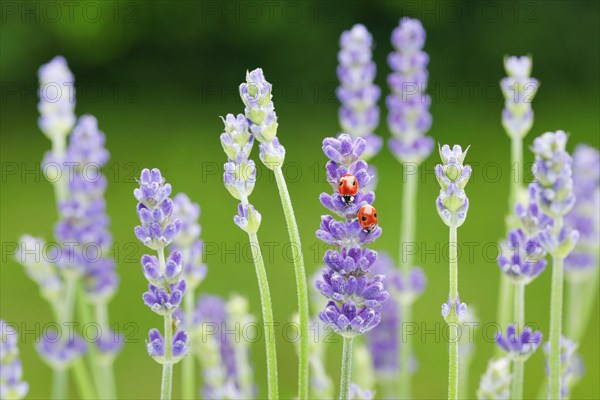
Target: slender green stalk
pixel 85 317
pixel 580 303
pixel 104 366
pixel 301 285
pixel 406 260
pixel 166 386
pixel 85 387
pixel 267 314
pixel 60 383
pixel 453 345
pixel 167 373
pixel 463 384
pixel 505 294
pixel 556 305
pixel 519 364
pixel 60 183
pixel 346 369
pixel 189 363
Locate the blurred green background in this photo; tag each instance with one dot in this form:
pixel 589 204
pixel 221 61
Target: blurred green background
pixel 158 74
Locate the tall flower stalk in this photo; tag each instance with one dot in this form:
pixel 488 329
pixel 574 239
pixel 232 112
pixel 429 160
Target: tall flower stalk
pixel 555 197
pixel 354 298
pixel 260 112
pixel 581 266
pixel 518 89
pixel 82 223
pixel 522 260
pixel 408 120
pixel 239 179
pixel 166 286
pixel 452 206
pixel 190 245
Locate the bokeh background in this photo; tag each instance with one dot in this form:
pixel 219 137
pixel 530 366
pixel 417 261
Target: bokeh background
pixel 158 74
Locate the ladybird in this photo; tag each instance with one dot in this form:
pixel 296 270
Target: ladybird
pixel 347 188
pixel 367 218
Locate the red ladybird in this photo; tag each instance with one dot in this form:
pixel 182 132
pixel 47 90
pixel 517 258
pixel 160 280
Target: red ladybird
pixel 367 218
pixel 347 188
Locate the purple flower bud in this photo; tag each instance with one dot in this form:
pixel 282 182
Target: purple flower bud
pixel 57 98
pixel 11 371
pixel 522 259
pixel 519 345
pixel 59 351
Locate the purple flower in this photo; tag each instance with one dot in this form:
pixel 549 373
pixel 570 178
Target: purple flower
pixel 571 365
pixel 260 112
pixel 110 343
pixel 156 346
pixel 452 204
pixel 558 245
pixel 519 90
pixel 57 98
pixel 453 310
pixel 522 259
pixel 188 242
pixel 519 345
pixel 236 138
pixel 585 215
pixel 359 114
pixel 164 300
pixel 409 118
pixel 532 219
pixel 11 371
pixel 355 296
pixel 552 169
pixel 155 208
pixel 224 360
pixel 59 352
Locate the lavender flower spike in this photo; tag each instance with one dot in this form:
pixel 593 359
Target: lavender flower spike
pixel 260 111
pixel 158 229
pixel 57 99
pixel 12 386
pixel 359 114
pixel 239 179
pixel 585 215
pixel 519 90
pixel 409 118
pixel 354 297
pixel 554 188
pixel 522 259
pixel 452 206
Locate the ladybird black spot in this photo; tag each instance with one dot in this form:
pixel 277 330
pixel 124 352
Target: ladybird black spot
pixel 364 218
pixel 375 215
pixel 341 183
pixel 353 183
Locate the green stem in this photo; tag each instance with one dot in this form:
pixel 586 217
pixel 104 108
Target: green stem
pixel 105 366
pixel 346 369
pixel 301 285
pixel 505 304
pixel 92 354
pixel 517 160
pixel 189 366
pixel 84 383
pixel 556 304
pixel 519 364
pixel 166 386
pixel 267 314
pixel 453 344
pixel 60 184
pixel 580 300
pixel 167 373
pixel 60 383
pixel 407 235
